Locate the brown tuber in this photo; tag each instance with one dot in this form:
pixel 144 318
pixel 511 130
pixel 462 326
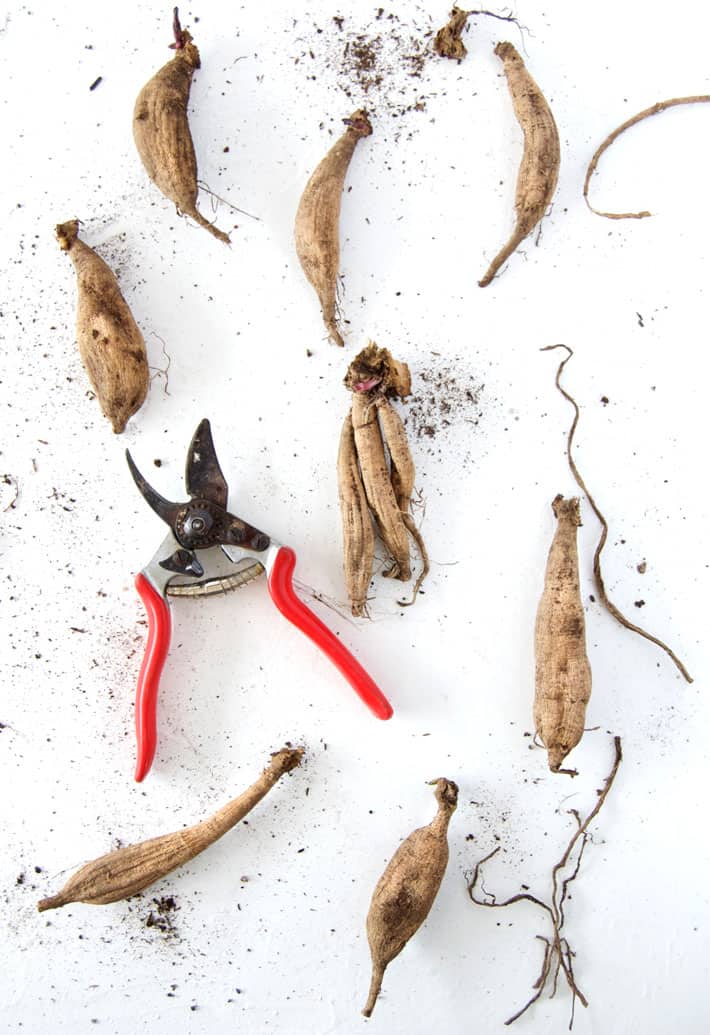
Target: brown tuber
pixel 376 475
pixel 162 132
pixel 316 229
pixel 540 165
pixel 406 890
pixel 358 533
pixel 111 346
pixel 563 677
pixel 129 870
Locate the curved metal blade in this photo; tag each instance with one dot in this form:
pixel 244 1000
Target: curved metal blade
pixel 203 475
pixel 163 508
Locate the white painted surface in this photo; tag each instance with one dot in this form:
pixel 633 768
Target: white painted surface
pixel 429 201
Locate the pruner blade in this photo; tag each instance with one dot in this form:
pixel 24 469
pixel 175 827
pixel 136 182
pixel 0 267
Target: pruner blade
pixel 165 510
pixel 203 475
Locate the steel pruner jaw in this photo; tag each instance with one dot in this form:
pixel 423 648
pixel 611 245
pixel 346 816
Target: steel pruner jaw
pixel 203 521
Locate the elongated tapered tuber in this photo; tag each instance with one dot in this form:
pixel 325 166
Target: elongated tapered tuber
pixel 563 677
pixel 128 870
pixel 376 475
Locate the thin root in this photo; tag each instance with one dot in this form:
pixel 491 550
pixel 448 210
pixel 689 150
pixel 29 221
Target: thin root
pixel 645 114
pixel 416 536
pixel 10 480
pixel 558 954
pixel 158 371
pixel 203 186
pixel 599 581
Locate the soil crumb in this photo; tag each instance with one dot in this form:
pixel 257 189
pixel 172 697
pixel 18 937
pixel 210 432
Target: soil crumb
pixel 379 66
pixel 162 916
pixel 444 396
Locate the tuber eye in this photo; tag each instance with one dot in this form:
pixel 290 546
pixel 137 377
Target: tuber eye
pixel 110 343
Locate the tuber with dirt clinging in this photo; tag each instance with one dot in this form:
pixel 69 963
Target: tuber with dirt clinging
pixel 110 343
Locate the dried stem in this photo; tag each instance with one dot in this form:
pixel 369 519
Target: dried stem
pixel 558 954
pixel 599 581
pixel 179 42
pixel 448 42
pixel 655 109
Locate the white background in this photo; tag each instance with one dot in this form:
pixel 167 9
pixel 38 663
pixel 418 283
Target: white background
pixel 429 201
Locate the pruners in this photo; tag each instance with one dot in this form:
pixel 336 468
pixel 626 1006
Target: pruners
pixel 235 553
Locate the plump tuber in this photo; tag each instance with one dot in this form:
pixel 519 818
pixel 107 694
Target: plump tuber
pixel 111 346
pixel 162 132
pixel 406 890
pixel 563 677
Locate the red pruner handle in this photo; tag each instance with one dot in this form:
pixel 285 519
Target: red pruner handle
pixel 156 652
pixel 282 594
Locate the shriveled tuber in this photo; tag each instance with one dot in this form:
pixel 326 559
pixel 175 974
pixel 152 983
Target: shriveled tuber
pixel 540 165
pixel 358 533
pixel 406 890
pixel 162 132
pixel 110 343
pixel 317 229
pixel 378 486
pixel 369 478
pixel 128 870
pixel 563 677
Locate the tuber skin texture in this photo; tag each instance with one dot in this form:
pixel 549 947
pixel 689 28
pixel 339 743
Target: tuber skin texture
pixel 128 870
pixel 378 487
pixel 540 165
pixel 406 890
pixel 316 229
pixel 162 132
pixel 110 343
pixel 563 677
pixel 358 533
pixel 402 478
pixel 376 474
